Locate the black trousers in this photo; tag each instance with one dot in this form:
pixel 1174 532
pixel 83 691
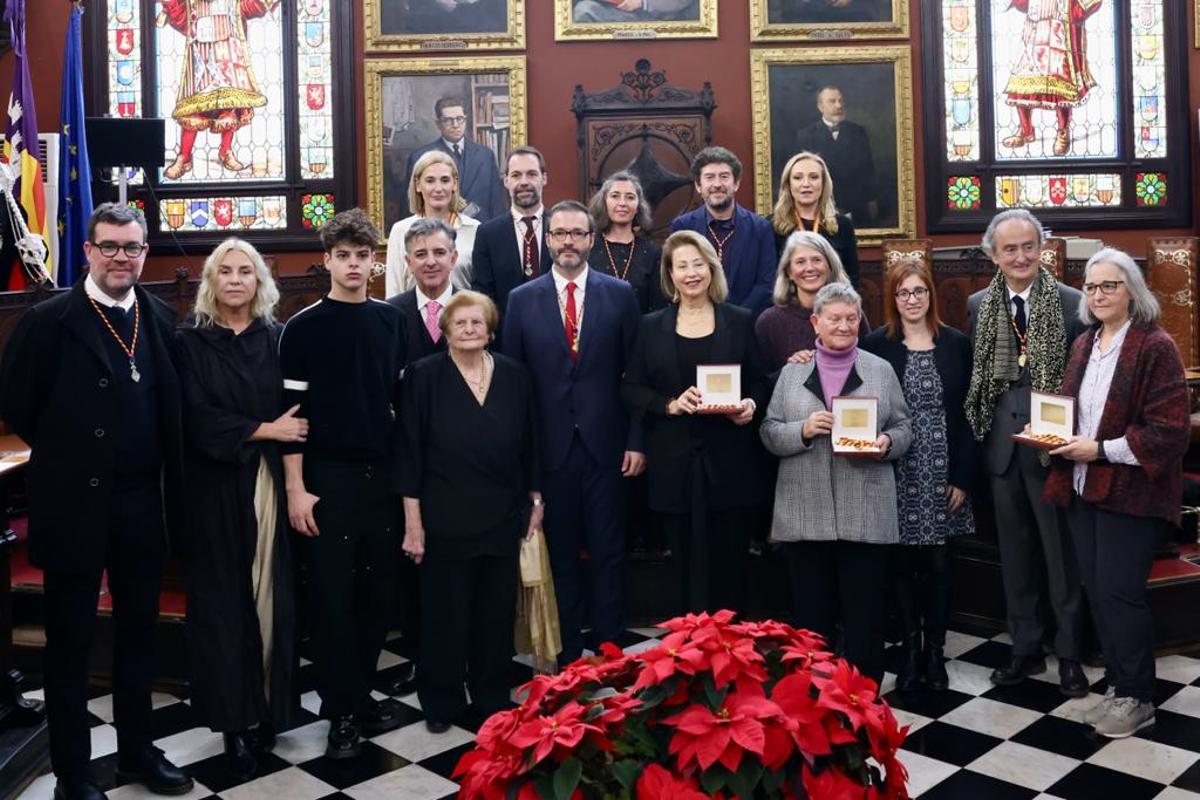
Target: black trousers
pixel 351 578
pixel 468 609
pixel 134 562
pixel 1115 553
pixel 585 510
pixel 923 590
pixel 842 582
pixel 709 550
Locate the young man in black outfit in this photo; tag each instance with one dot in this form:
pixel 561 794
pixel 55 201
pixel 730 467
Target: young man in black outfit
pixel 342 359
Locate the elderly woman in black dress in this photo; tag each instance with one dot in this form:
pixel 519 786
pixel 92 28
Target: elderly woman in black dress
pixel 469 478
pixel 933 363
pixel 240 599
pixel 623 249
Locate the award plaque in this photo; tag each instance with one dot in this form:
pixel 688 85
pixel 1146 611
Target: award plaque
pixel 855 426
pixel 720 388
pixel 1051 421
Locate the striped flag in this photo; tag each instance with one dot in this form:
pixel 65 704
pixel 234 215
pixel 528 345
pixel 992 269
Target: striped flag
pixel 21 148
pixel 74 171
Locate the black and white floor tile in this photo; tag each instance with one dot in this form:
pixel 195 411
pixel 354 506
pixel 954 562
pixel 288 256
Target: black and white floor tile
pixel 973 742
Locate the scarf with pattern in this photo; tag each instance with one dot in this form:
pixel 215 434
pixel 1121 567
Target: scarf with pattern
pixel 995 368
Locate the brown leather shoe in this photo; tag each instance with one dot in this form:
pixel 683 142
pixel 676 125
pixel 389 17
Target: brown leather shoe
pixel 1062 143
pixel 1018 139
pixel 230 163
pixel 180 167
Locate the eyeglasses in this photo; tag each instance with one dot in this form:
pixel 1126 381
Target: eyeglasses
pixel 578 235
pixel 454 120
pixel 904 295
pixel 1105 287
pixel 132 249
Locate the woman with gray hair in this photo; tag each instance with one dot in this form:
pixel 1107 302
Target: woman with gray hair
pixel 624 250
pixel 785 331
pixel 240 599
pixel 835 538
pixel 1121 477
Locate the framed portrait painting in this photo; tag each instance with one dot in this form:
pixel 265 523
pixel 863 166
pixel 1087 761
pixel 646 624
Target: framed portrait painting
pixel 440 25
pixel 798 20
pixel 853 107
pixel 473 107
pixel 635 19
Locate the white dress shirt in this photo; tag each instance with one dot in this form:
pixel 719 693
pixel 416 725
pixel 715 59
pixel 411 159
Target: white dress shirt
pixel 1093 394
pixel 560 288
pixel 519 227
pixel 96 293
pixel 1012 307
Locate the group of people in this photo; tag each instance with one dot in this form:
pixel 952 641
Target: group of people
pixel 522 372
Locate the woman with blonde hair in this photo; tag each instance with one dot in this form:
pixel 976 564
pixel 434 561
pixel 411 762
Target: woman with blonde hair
pixel 433 192
pixel 806 203
pixel 240 598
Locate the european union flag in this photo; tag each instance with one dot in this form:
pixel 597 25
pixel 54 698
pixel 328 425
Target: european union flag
pixel 75 171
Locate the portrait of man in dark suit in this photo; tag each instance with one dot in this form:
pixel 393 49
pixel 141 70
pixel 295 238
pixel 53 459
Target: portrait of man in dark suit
pixel 807 12
pixel 398 17
pixel 846 148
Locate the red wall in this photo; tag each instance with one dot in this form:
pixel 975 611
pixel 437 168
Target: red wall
pixel 554 69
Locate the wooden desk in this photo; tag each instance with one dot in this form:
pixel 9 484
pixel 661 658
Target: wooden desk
pixel 14 455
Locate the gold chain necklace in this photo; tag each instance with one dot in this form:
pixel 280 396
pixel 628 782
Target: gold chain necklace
pixel 623 274
pixel 130 349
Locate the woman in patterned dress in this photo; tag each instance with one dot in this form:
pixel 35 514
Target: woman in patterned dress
pixel 933 363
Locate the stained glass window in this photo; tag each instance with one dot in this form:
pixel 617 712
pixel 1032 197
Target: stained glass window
pixel 247 89
pixel 1061 105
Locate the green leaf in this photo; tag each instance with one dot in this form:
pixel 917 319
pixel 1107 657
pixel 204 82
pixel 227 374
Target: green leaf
pixel 715 699
pixel 544 786
pixel 627 771
pixel 772 781
pixel 566 778
pixel 714 780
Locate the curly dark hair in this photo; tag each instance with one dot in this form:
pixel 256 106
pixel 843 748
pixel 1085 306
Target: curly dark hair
pixel 353 226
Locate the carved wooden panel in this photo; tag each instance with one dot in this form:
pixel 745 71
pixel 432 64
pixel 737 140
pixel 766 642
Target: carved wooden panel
pixel 1054 257
pixel 899 251
pixel 1171 274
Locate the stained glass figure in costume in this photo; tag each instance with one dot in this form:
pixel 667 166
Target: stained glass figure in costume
pixel 217 89
pixel 1052 72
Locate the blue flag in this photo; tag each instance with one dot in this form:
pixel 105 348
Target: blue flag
pixel 75 171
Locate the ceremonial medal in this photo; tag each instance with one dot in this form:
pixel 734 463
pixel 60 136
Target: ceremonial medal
pixel 1021 359
pixel 133 373
pixel 129 349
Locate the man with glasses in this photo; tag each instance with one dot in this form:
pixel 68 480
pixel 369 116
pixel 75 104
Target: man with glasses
pixel 574 328
pixel 1022 327
pixel 88 381
pixel 478 175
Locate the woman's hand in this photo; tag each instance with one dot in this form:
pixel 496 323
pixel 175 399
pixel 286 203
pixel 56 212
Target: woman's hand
pixel 1078 448
pixel 414 541
pixel 300 512
pixel 536 516
pixel 801 356
pixel 819 423
pixel 746 414
pixel 686 403
pixel 288 427
pixel 955 498
pixel 882 443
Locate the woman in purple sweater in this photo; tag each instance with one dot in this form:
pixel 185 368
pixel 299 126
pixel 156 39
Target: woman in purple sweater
pixel 785 331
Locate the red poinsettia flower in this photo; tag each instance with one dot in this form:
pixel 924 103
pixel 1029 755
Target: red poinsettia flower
pixel 704 737
pixel 767 629
pixel 675 655
pixel 847 690
pixel 693 623
pixel 731 657
pixel 831 784
pixel 496 732
pixel 887 736
pixel 895 780
pixel 657 783
pixel 794 696
pixel 806 649
pixel 483 775
pixel 561 731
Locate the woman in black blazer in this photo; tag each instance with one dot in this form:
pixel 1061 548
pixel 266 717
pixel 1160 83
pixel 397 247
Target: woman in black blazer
pixel 933 363
pixel 705 471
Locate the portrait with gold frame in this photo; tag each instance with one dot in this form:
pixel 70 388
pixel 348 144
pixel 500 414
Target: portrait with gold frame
pixel 815 20
pixel 576 20
pixel 397 26
pixel 400 97
pixel 876 84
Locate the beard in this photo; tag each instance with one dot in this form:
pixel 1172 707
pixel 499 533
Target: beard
pixel 719 205
pixel 527 199
pixel 571 260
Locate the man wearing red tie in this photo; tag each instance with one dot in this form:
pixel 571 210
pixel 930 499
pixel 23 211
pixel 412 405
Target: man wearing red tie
pixel 574 329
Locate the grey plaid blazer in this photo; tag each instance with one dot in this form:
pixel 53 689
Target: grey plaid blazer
pixel 823 497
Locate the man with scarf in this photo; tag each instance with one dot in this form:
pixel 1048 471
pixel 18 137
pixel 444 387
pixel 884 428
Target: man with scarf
pixel 1022 327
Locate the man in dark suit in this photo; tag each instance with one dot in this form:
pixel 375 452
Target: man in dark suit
pixel 846 149
pixel 743 240
pixel 511 249
pixel 89 382
pixel 479 179
pixel 574 328
pixel 1024 303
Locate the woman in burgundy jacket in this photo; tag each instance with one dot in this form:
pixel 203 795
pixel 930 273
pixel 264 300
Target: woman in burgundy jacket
pixel 1121 477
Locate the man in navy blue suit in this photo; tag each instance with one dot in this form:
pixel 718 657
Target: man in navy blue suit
pixel 742 239
pixel 574 329
pixel 479 178
pixel 511 249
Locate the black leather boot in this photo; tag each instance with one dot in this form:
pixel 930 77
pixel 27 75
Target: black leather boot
pixel 937 613
pixel 909 678
pixel 240 755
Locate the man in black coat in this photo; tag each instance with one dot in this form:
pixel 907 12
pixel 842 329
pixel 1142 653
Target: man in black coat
pixel 478 177
pixel 511 249
pixel 88 380
pixel 846 149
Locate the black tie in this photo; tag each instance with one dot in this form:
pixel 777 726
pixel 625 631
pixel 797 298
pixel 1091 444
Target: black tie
pixel 458 152
pixel 1019 317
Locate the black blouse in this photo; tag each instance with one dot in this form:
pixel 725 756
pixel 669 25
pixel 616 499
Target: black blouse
pixel 641 270
pixel 472 466
pixel 844 243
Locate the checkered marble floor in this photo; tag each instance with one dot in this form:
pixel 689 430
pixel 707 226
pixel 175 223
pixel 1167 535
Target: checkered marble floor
pixel 973 742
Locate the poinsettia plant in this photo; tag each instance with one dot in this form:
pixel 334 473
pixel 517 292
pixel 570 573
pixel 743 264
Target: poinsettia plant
pixel 719 709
